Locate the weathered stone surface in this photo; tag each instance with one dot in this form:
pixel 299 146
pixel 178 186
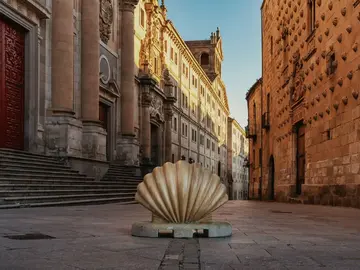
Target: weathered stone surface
pixel 297 95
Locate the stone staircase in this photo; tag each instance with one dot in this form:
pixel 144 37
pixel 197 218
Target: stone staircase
pixel 33 180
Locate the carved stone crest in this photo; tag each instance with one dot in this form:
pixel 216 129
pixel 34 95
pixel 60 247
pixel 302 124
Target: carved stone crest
pixel 297 78
pixel 156 107
pixel 106 19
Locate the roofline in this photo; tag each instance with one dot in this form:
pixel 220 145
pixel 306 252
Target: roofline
pixel 253 87
pixel 262 5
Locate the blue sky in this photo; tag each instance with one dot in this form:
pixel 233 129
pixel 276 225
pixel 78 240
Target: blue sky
pixel 240 27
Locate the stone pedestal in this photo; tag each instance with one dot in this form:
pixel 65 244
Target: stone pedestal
pixel 63 136
pixel 127 150
pixel 93 141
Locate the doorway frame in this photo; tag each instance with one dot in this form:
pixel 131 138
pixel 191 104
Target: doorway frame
pixel 271 179
pixel 298 184
pixel 31 76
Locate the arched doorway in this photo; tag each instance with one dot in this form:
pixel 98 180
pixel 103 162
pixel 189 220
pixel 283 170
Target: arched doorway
pixel 271 181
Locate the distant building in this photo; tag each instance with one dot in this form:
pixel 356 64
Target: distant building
pixel 238 150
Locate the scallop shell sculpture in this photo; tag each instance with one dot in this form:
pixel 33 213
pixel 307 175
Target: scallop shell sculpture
pixel 181 192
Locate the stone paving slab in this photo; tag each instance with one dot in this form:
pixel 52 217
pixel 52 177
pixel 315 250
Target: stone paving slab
pixel 265 236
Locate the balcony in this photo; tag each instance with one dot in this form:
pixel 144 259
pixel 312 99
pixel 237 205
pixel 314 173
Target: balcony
pixel 265 121
pixel 250 132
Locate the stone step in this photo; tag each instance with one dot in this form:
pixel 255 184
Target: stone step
pixel 56 198
pixel 69 192
pixel 20 152
pixel 40 172
pixel 17 166
pixel 115 177
pixel 43 175
pixel 119 200
pixel 65 181
pixel 22 160
pixel 120 172
pixel 123 187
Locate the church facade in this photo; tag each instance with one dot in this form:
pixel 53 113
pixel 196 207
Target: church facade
pixel 95 82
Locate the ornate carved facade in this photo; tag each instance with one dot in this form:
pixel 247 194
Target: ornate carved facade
pixel 89 107
pixel 306 148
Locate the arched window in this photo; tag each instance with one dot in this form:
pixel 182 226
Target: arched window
pixel 204 59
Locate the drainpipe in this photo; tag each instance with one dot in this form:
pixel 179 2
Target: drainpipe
pixel 261 108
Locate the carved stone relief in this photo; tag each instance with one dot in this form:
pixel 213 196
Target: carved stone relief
pixel 106 19
pixel 156 107
pixel 297 78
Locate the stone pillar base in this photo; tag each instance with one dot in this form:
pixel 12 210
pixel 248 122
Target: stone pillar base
pixel 127 151
pixel 63 136
pixel 93 141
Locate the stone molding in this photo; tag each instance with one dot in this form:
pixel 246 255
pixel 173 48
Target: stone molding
pixel 128 5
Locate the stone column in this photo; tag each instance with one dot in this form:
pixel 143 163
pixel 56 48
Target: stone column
pixel 128 150
pixel 168 134
pixel 146 128
pixel 94 136
pixel 63 130
pixel 62 61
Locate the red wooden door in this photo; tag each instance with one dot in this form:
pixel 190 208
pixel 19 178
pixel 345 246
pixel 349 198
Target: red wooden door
pixel 12 69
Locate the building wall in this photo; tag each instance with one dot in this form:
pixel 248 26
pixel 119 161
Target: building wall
pixel 311 71
pixel 237 155
pixel 253 133
pixel 201 110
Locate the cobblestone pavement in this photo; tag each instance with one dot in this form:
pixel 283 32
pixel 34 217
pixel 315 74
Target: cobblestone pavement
pixel 265 236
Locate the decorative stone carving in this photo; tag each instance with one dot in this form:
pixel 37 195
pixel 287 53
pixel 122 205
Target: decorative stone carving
pixel 343 11
pixel 327 31
pixel 157 107
pixel 350 75
pixel 349 29
pixel 345 100
pixel 128 5
pixel 297 79
pixel 355 94
pixel 106 19
pixel 330 6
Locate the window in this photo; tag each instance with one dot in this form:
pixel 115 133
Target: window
pixel 142 18
pixel 201 139
pixel 193 80
pixel 165 46
pixel 193 135
pixel 219 150
pixel 187 72
pixel 175 124
pixel 260 157
pixel 176 58
pixel 311 15
pixel 207 143
pixel 173 158
pixel 204 59
pixel 186 102
pixel 184 131
pixel 183 68
pixel 219 130
pixel 172 53
pixel 196 83
pixel 219 112
pixel 213 146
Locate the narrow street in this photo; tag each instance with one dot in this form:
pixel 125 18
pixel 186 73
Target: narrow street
pixel 265 236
